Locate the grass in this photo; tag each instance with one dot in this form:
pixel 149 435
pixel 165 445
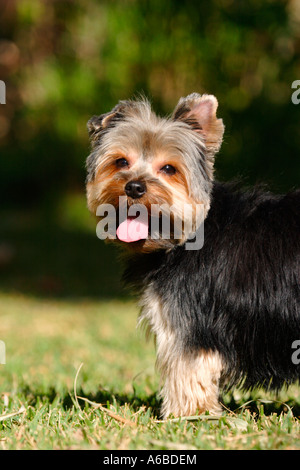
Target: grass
pixel 78 375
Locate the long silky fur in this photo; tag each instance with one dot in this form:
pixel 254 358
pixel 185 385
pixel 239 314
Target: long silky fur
pixel 240 294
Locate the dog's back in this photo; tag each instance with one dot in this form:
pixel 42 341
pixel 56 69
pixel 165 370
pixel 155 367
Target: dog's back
pixel 240 294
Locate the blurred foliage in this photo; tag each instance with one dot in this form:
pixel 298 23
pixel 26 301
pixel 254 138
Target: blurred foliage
pixel 65 60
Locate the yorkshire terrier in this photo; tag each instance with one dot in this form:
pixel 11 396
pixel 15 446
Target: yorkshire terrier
pixel 224 312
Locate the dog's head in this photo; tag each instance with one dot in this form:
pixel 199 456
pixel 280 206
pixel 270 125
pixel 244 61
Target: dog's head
pixel 153 172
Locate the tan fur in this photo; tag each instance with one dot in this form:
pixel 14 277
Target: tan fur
pixel 189 381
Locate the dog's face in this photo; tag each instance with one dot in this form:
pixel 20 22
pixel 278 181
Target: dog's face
pixel 162 166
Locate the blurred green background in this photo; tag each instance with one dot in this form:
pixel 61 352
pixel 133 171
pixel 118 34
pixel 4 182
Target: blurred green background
pixel 63 61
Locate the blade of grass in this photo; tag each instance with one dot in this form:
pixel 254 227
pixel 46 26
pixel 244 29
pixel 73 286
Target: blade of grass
pixel 75 385
pixel 110 413
pixel 11 415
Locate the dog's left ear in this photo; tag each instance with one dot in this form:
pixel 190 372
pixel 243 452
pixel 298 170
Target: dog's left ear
pixel 199 111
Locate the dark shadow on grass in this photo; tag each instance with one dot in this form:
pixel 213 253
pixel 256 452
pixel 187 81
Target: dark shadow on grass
pixel 255 406
pixel 102 397
pixel 268 406
pixel 107 398
pixel 152 402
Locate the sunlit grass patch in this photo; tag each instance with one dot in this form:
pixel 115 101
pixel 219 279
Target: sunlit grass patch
pixel 78 375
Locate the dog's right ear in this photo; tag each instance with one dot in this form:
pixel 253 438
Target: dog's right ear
pixel 97 124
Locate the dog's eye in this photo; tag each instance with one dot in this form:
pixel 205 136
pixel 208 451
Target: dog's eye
pixel 122 163
pixel 168 169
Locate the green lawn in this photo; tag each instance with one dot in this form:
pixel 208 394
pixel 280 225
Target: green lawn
pixel 78 374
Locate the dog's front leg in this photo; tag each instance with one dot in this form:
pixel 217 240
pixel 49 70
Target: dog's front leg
pixel 190 382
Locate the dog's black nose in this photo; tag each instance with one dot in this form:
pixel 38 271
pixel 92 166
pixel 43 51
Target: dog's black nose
pixel 135 189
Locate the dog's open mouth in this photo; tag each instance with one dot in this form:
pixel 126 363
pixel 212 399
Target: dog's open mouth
pixel 133 229
pixel 144 225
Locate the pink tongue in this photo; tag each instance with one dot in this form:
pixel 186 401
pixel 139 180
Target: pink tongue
pixel 132 230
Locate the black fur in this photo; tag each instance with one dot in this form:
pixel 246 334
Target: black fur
pixel 240 293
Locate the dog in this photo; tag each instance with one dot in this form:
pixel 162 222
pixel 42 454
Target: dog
pixel 225 314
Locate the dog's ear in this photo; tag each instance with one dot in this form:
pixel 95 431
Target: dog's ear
pixel 97 124
pixel 199 111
